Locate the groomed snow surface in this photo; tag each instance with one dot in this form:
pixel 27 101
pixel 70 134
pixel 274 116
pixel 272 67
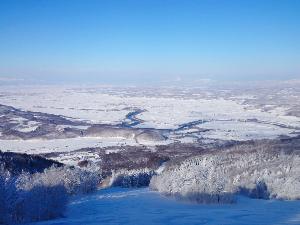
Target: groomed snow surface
pixel 142 206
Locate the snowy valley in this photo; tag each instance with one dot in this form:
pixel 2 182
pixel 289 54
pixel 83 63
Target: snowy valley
pixel 200 147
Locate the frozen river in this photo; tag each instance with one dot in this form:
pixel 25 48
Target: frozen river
pixel 143 207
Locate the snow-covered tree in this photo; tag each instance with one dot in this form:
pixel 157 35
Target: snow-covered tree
pixel 256 171
pixel 40 196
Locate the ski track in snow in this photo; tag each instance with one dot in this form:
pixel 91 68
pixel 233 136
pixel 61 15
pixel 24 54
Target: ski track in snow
pixel 142 206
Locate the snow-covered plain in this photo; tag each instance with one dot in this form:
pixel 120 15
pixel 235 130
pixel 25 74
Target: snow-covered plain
pixel 142 206
pixel 221 118
pixel 61 145
pixel 99 106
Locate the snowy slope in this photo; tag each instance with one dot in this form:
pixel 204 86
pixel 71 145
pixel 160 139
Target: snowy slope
pixel 141 206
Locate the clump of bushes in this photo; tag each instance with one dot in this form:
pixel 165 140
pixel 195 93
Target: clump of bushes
pixel 131 178
pixel 41 196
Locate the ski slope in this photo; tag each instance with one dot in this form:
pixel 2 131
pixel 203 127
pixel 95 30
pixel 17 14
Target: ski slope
pixel 142 206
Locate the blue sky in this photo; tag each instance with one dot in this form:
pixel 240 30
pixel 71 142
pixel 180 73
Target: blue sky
pixel 148 40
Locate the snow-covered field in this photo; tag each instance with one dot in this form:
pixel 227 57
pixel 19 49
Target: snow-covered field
pixel 60 145
pixel 97 105
pixel 190 116
pixel 142 206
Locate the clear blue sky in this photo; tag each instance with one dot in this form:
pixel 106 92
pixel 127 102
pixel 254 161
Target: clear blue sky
pixel 149 40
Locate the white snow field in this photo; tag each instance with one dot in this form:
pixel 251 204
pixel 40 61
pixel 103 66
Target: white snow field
pixel 187 114
pixel 109 105
pixel 142 206
pixel 60 145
